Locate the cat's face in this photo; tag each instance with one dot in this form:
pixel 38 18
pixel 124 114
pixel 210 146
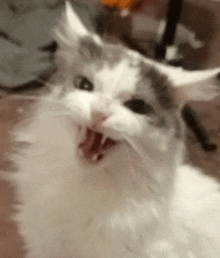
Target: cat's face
pixel 114 94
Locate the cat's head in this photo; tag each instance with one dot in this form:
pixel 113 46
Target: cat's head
pixel 116 95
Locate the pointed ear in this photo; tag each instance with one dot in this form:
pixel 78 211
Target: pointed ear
pixel 73 20
pixel 70 27
pixel 201 85
pixel 197 86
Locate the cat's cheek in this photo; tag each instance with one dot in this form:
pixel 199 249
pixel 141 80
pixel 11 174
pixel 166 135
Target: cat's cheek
pixel 122 126
pixel 80 115
pixel 159 138
pixel 80 107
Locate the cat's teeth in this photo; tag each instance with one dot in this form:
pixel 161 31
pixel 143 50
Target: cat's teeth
pixel 95 157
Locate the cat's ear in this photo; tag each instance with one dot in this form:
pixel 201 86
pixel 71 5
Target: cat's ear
pixel 201 85
pixel 70 28
pixel 197 86
pixel 73 21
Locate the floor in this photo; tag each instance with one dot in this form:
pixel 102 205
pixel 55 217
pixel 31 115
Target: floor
pixel 10 242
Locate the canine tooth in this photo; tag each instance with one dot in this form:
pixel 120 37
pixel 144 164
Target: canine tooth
pixel 95 157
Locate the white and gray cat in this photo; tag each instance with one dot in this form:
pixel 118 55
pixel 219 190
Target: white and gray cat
pixel 100 171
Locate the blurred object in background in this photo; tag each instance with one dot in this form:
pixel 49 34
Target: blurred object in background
pixel 132 5
pixel 26 42
pixel 148 24
pixel 25 36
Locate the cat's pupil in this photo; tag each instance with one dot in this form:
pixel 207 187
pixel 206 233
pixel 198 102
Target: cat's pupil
pixel 83 83
pixel 139 106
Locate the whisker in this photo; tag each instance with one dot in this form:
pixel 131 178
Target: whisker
pixel 138 149
pixel 145 175
pixel 149 162
pixel 128 159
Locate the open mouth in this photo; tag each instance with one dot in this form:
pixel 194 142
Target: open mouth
pixel 95 145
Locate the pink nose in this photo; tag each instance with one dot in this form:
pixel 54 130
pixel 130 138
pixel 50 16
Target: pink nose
pixel 97 118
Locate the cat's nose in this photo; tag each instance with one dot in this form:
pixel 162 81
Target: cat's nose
pixel 97 117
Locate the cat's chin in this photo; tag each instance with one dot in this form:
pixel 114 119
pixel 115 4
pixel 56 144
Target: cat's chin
pixel 94 145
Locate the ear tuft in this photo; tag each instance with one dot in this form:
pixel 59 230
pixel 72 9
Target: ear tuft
pixel 199 86
pixel 203 85
pixel 70 28
pixel 73 20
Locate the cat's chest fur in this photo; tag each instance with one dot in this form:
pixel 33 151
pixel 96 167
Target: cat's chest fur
pixel 70 210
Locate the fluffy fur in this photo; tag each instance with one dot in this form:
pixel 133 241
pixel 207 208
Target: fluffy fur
pixel 140 200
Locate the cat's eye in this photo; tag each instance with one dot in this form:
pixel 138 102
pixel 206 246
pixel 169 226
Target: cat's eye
pixel 83 83
pixel 139 106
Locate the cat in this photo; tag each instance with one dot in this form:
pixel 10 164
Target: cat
pixel 99 161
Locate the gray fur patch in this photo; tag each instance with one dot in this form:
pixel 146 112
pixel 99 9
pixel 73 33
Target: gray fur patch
pixel 113 54
pixel 158 122
pixel 109 54
pixel 160 85
pixel 89 50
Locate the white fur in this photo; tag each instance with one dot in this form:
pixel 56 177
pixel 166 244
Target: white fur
pixel 138 202
pixel 74 21
pixel 112 78
pixel 118 209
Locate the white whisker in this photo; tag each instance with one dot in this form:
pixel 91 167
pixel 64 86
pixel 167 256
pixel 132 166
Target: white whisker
pixel 128 159
pixel 138 149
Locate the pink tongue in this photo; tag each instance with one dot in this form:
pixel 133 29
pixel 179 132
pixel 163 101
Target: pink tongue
pixel 92 144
